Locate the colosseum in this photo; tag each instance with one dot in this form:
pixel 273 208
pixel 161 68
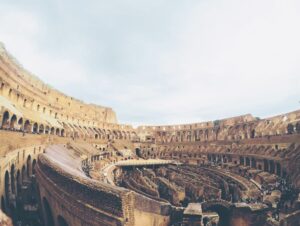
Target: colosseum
pixel 64 162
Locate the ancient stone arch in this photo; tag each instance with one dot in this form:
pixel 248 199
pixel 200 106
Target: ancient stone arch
pixel 41 129
pixel 253 163
pixel 252 133
pixel 20 123
pixel 19 182
pixel 298 127
pixel 47 130
pixel 290 128
pixel 52 131
pixel 23 173
pixel 7 187
pixel 13 121
pixel 278 169
pixel 35 128
pixel 221 207
pixel 12 179
pixel 33 166
pixel 29 166
pixel 27 126
pixel 5 120
pixel 48 216
pixel 247 161
pixel 272 166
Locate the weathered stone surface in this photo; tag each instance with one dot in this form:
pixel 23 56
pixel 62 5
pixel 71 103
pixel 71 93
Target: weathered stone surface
pixel 67 161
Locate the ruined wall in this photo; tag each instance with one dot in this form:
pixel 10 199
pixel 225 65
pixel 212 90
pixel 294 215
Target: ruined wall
pixel 20 85
pixel 272 146
pixel 14 168
pixel 151 212
pixel 232 129
pixel 95 203
pixel 28 104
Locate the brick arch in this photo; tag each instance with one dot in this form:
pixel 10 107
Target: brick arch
pixel 221 207
pixel 20 123
pixel 48 216
pixel 27 126
pixel 41 128
pixel 7 187
pixel 12 178
pixel 18 182
pixel 5 119
pixel 23 173
pixel 29 166
pixel 13 121
pixel 35 128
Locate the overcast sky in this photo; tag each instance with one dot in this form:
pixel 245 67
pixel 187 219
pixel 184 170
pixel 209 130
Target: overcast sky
pixel 162 62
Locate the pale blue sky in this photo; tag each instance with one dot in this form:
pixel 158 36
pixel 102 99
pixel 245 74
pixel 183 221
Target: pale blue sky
pixel 162 62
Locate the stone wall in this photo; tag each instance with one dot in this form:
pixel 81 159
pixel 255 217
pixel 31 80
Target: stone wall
pixel 95 203
pixel 33 116
pixel 16 167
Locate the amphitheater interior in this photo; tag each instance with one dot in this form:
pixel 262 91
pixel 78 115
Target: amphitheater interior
pixel 66 163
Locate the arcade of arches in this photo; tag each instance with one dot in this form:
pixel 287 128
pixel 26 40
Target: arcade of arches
pixel 66 163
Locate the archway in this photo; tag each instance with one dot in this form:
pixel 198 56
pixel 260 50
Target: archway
pixel 278 169
pixel 23 173
pixel 35 128
pixel 49 221
pixel 27 126
pixel 206 134
pixel 209 157
pixel 247 161
pixel 13 121
pixel 272 166
pixel 138 152
pixel 47 129
pixel 20 123
pixel 61 221
pixel 41 129
pixel 7 187
pixel 290 128
pixel 57 132
pixel 19 182
pixel 39 201
pixel 12 179
pixel 62 133
pixel 266 165
pixel 298 127
pixel 29 169
pixel 242 160
pixel 253 163
pixel 221 207
pixel 5 120
pixel 252 133
pixel 33 166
